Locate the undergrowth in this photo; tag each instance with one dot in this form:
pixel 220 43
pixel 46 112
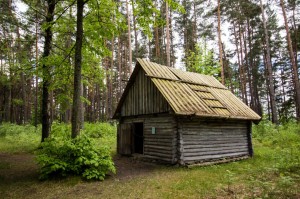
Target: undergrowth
pixel 273 172
pixel 89 155
pixel 277 161
pixel 19 139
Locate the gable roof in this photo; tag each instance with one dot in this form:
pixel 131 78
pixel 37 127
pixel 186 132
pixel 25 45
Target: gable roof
pixel 191 93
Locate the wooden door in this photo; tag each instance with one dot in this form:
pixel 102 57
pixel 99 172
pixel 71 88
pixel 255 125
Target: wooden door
pixel 124 139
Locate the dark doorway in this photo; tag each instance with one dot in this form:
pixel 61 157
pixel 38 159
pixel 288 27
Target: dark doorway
pixel 138 137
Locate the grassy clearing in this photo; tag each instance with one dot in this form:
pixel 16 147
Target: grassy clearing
pixel 19 139
pixel 273 172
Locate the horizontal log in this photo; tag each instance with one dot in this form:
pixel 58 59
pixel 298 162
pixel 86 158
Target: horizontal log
pixel 158 154
pixel 159 151
pixel 213 137
pixel 163 144
pixel 160 132
pixel 159 125
pixel 213 131
pixel 220 152
pixel 202 150
pixel 192 164
pixel 160 140
pixel 212 142
pixel 209 157
pixel 170 160
pixel 199 139
pixel 158 146
pixel 159 136
pixel 208 145
pixel 209 122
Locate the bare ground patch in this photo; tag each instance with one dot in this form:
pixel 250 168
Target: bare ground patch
pixel 19 177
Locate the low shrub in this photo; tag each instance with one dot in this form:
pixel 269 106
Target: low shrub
pixel 98 130
pixel 61 156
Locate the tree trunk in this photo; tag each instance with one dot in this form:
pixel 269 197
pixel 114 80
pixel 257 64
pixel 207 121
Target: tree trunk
pixel 157 46
pixel 134 29
pixel 167 34
pixel 269 69
pixel 172 52
pixel 220 44
pixel 292 59
pixel 242 71
pixel 119 68
pixel 46 71
pixel 110 82
pixel 77 72
pixel 248 66
pixel 36 73
pixel 129 37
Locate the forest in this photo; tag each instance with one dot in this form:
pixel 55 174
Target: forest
pixel 64 65
pixel 252 47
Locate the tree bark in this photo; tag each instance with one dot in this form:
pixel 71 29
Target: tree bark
pixel 157 46
pixel 134 29
pixel 36 72
pixel 167 34
pixel 269 69
pixel 242 71
pixel 292 59
pixel 220 44
pixel 77 72
pixel 119 68
pixel 129 37
pixel 46 71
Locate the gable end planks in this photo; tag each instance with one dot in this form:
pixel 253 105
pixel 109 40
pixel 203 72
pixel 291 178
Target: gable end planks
pixel 143 98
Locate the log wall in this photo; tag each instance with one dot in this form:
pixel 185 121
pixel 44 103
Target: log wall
pixel 202 141
pixel 162 145
pixel 143 98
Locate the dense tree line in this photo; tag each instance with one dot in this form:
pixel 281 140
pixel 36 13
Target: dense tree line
pixel 63 57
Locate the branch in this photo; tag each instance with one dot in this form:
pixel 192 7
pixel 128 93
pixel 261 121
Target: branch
pixel 65 10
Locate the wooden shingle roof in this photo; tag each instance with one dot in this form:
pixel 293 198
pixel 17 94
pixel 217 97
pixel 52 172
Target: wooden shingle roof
pixel 195 94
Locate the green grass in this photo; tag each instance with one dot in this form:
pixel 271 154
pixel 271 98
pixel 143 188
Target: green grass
pixel 19 139
pixel 273 172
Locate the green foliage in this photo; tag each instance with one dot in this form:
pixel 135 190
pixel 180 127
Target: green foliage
pixel 98 130
pixel 13 136
pixel 61 156
pixel 280 147
pixel 201 60
pixel 88 155
pixel 104 133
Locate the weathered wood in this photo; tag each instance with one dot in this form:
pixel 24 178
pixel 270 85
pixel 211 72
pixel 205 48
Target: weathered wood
pixel 125 139
pixel 209 145
pixel 143 98
pixel 249 138
pixel 159 154
pixel 216 161
pixel 209 140
pixel 163 159
pixel 217 156
pixel 212 151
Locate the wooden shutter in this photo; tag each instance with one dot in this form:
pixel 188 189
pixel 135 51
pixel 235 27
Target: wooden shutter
pixel 124 139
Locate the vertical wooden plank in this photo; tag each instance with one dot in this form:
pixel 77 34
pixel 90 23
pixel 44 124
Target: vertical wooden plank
pixel 125 139
pixel 118 138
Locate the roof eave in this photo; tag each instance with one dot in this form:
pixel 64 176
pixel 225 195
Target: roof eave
pixel 218 116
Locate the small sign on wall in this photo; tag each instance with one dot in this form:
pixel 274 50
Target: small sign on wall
pixel 153 130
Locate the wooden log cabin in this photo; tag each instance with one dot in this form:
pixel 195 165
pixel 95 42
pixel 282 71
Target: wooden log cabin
pixel 173 116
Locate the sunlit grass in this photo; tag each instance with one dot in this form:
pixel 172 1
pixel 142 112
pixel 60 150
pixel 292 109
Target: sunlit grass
pixel 273 172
